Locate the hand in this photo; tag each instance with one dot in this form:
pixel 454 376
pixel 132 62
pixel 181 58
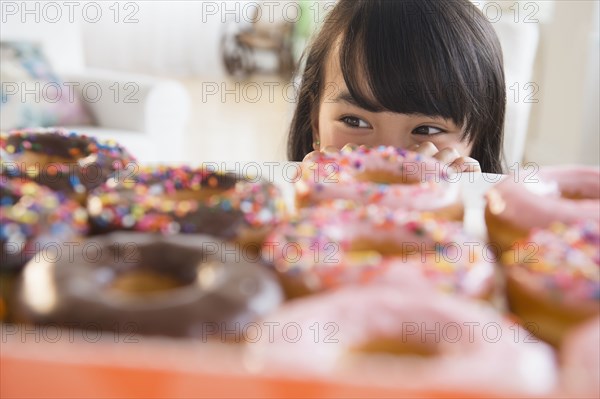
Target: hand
pixel 314 155
pixel 448 156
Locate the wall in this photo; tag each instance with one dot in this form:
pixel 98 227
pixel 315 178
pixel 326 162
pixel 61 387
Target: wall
pixel 564 124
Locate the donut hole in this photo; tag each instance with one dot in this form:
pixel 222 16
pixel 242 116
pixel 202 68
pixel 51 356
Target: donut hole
pixel 141 282
pixel 406 249
pixel 202 194
pixel 387 177
pixel 383 247
pixel 575 195
pixel 148 270
pixel 51 170
pixel 43 161
pixel 398 347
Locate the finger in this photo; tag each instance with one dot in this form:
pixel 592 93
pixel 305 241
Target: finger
pixel 312 156
pixel 330 150
pixel 466 164
pixel 413 147
pixel 447 155
pixel 350 147
pixel 427 148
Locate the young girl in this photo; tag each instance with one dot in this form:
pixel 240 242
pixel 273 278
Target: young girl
pixel 425 75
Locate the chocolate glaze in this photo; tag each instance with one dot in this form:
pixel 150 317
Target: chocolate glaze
pixel 217 288
pixel 214 203
pixel 62 161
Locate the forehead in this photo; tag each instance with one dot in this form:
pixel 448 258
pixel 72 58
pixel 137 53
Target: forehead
pixel 333 70
pixel 333 77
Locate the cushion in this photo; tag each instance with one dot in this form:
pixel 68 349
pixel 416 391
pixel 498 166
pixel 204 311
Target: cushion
pixel 31 94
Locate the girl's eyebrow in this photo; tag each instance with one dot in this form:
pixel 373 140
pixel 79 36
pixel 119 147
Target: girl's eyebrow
pixel 345 96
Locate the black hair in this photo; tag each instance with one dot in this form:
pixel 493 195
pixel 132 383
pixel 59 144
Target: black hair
pixel 432 57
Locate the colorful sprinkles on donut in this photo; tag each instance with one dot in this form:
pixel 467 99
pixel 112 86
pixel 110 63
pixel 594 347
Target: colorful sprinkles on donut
pixel 341 242
pixel 62 160
pixel 563 259
pixel 183 199
pixel 32 216
pixel 383 175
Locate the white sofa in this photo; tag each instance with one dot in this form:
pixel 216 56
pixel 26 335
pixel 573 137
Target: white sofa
pixel 148 116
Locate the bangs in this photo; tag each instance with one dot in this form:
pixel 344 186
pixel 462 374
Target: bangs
pixel 409 57
pixel 439 58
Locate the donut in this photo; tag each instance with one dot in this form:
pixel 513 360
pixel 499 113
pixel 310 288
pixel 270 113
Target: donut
pixel 377 335
pixel 34 221
pixel 63 161
pixel 518 204
pixel 187 200
pixel 149 284
pixel 553 278
pixel 34 218
pixel 580 359
pixel 383 175
pixel 341 242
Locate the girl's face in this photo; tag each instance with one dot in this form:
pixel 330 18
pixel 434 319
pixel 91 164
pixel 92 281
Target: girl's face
pixel 341 121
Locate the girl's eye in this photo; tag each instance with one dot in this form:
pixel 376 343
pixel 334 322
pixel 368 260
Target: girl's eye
pixel 427 130
pixel 353 121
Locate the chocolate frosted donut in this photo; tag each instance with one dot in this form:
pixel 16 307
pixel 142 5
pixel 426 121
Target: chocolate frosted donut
pixel 186 200
pixel 34 221
pixel 149 284
pixel 34 218
pixel 63 161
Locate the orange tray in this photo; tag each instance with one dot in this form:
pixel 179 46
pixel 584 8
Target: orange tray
pixel 47 362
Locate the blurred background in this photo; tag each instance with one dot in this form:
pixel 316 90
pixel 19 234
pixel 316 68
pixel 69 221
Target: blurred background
pixel 193 81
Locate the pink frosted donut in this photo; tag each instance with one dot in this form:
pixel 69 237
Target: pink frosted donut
pixel 377 335
pixel 386 176
pixel 553 278
pixel 580 356
pixel 341 242
pixel 556 194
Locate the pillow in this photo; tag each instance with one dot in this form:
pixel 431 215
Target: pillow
pixel 31 94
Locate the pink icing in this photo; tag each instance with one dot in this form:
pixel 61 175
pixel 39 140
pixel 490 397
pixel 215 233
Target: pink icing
pixel 316 247
pixel 536 201
pixel 332 324
pixel 581 360
pixel 330 176
pixel 561 263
